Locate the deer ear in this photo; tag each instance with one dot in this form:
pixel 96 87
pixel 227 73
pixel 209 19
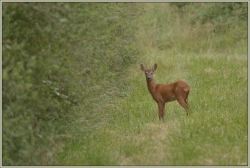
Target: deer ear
pixel 142 67
pixel 155 67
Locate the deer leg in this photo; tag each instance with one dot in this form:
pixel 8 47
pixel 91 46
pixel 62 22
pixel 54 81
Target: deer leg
pixel 186 99
pixel 162 111
pixel 161 107
pixel 183 104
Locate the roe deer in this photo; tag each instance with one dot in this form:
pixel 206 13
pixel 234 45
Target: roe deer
pixel 163 93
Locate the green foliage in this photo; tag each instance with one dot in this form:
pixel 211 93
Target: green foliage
pixel 53 54
pixel 31 95
pixel 214 11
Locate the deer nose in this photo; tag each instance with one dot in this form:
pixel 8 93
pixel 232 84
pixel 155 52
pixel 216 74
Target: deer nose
pixel 148 78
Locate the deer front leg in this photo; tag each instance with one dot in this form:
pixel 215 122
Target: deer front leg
pixel 161 107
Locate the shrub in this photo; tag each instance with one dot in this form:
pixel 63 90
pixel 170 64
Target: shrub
pixel 53 53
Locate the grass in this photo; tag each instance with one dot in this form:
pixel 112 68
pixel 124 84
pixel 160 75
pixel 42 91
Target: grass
pixel 214 133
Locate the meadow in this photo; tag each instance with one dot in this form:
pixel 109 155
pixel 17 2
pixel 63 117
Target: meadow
pixel 108 117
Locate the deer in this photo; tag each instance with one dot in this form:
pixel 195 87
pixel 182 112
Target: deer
pixel 163 93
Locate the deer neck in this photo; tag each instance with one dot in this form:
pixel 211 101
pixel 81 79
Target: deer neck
pixel 151 86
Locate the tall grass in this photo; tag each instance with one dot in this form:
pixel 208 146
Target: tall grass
pixel 211 57
pixel 196 27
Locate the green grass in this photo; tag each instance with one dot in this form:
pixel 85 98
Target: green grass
pixel 214 133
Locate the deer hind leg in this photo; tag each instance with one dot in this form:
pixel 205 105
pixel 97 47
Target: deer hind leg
pixel 183 102
pixel 186 99
pixel 161 107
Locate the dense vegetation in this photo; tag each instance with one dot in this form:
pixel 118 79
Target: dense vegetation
pixel 73 93
pixel 57 56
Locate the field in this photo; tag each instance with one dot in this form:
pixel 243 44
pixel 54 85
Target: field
pixel 215 132
pixel 116 122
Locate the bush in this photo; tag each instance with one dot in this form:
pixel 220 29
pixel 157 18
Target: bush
pixel 53 53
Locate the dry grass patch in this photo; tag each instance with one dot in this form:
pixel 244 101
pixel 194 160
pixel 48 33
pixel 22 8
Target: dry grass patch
pixel 152 142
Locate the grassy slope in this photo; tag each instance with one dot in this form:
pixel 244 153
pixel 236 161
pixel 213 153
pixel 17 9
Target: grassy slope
pixel 215 132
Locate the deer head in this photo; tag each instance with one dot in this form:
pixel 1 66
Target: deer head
pixel 149 72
